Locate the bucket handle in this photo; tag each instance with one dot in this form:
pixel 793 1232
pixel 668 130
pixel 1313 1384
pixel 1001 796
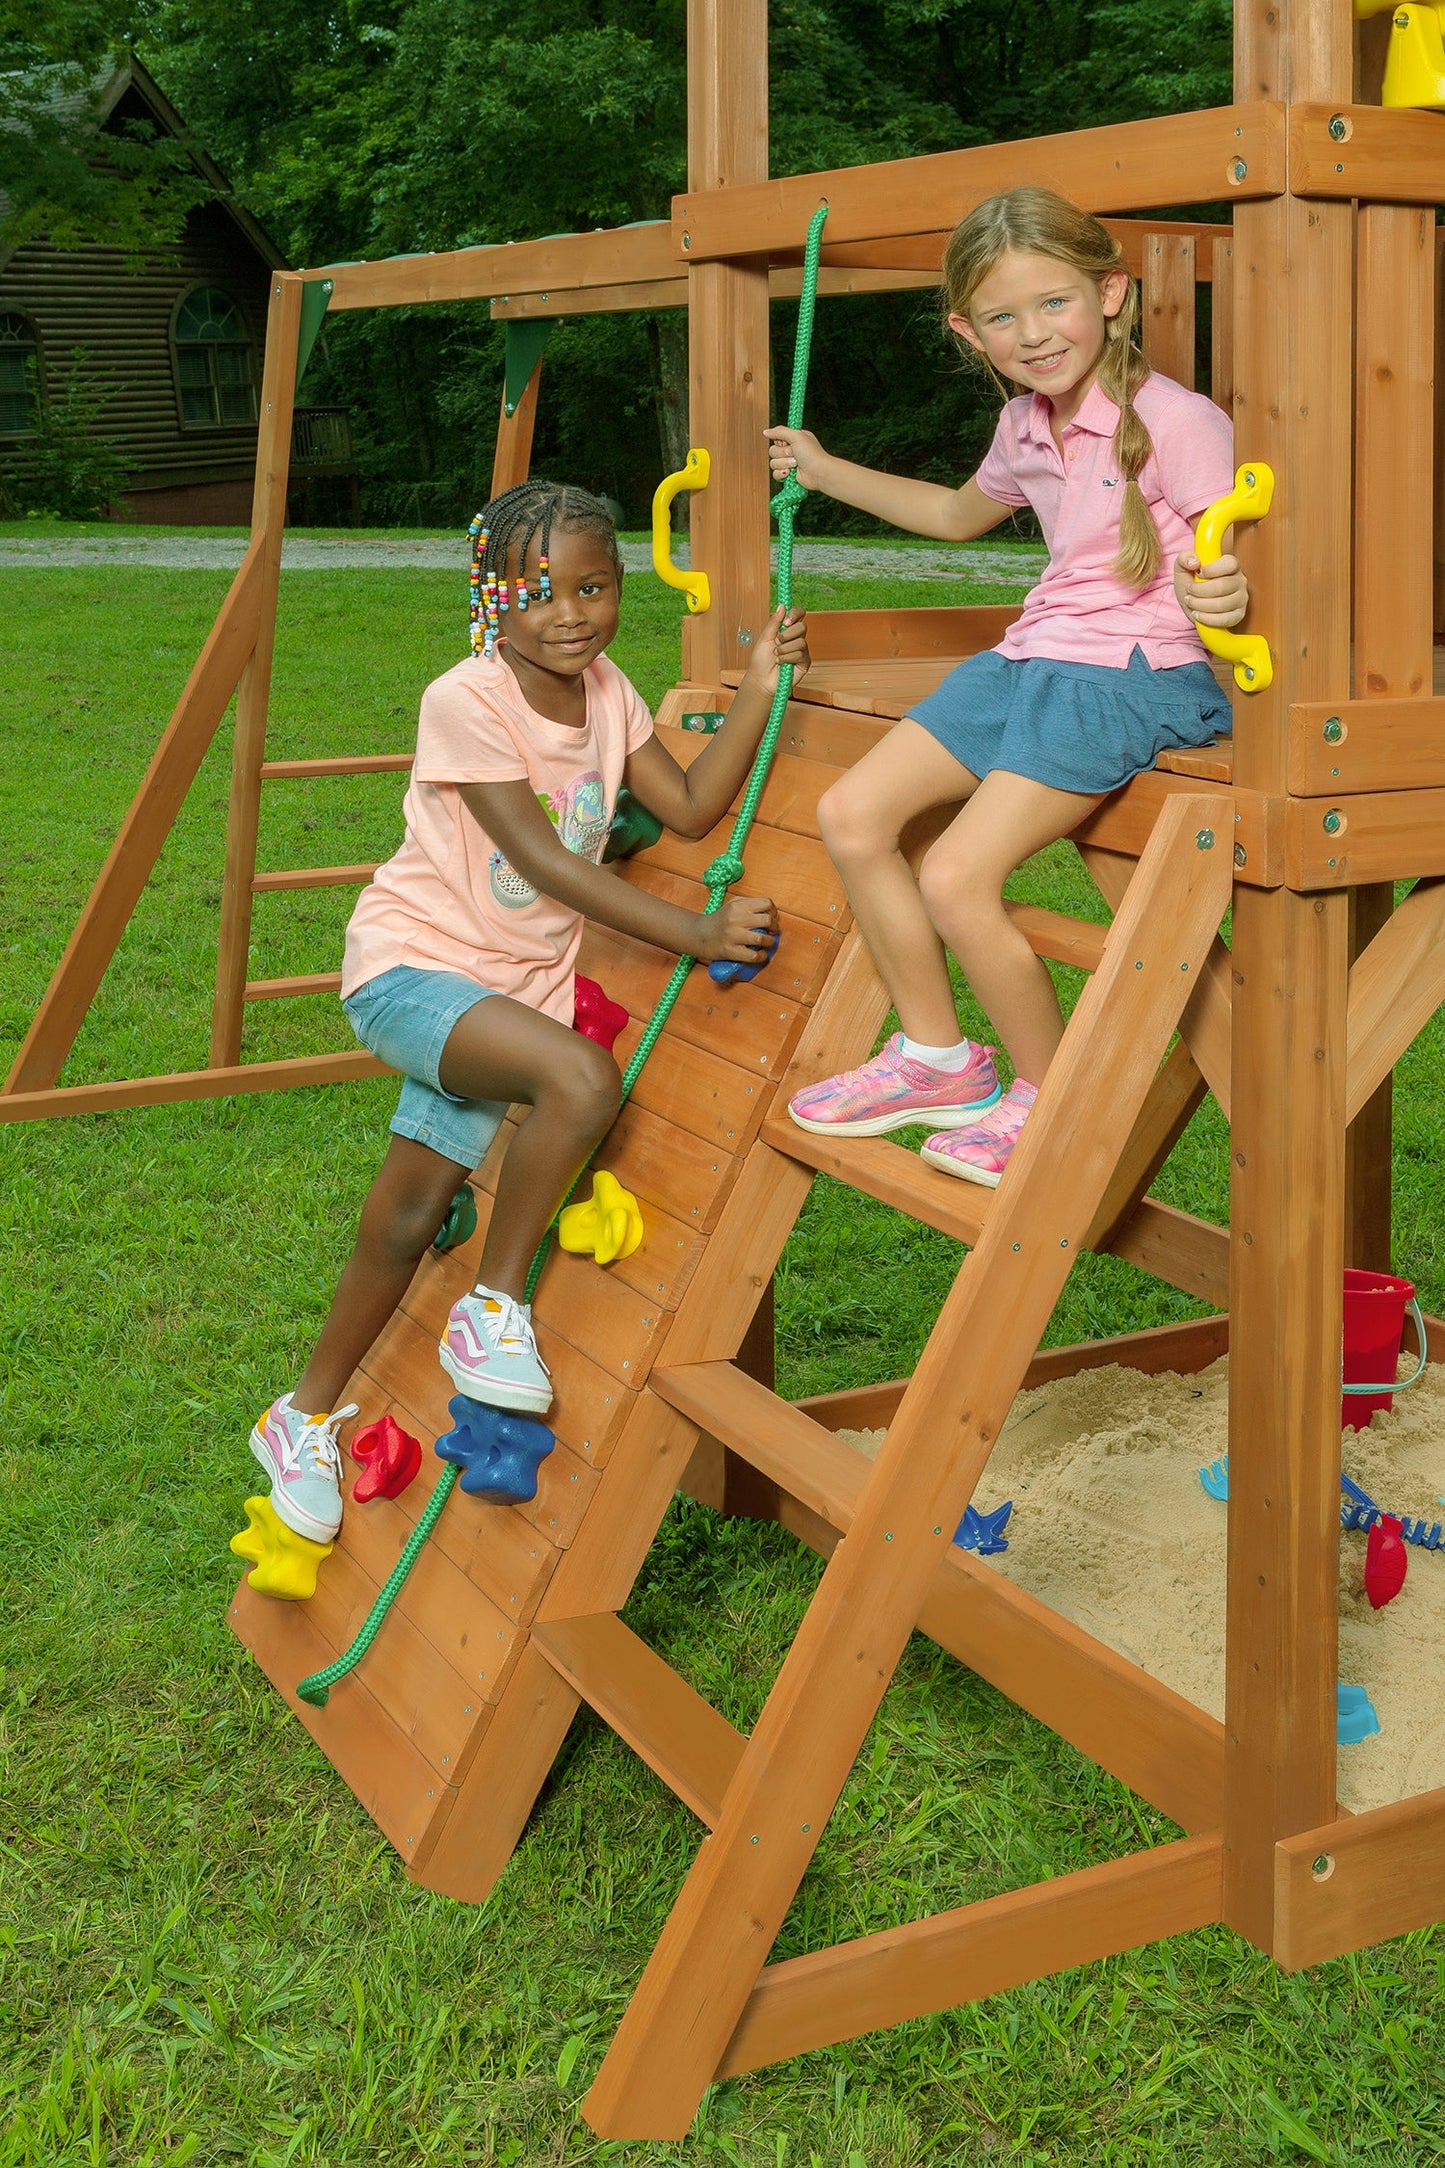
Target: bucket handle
pixel 1397 1385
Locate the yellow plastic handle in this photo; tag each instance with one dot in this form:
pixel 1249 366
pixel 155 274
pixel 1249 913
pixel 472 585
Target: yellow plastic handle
pixel 694 475
pixel 1250 498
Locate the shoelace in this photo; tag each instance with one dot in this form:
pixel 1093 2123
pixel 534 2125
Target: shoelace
pixel 511 1323
pixel 317 1442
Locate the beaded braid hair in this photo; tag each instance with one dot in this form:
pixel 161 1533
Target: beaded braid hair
pixel 505 529
pixel 1037 221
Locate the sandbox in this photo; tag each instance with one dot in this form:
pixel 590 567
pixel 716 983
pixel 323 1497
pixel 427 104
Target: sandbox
pixel 1112 1528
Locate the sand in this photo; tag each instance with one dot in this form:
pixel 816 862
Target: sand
pixel 1112 1527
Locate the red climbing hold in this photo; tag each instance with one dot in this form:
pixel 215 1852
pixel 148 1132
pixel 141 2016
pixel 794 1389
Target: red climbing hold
pixel 391 1458
pixel 594 1015
pixel 1384 1561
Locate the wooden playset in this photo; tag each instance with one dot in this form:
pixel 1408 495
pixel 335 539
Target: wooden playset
pixel 1324 333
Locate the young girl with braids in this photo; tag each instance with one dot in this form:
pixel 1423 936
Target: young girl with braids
pixel 1102 672
pixel 460 956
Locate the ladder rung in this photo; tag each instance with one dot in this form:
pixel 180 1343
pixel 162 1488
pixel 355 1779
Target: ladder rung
pixel 316 877
pixel 357 764
pixel 1052 933
pixel 886 1171
pixel 678 1734
pixel 317 982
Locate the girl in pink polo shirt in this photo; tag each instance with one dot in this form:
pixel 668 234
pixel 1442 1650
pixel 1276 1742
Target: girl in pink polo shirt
pixel 1103 671
pixel 460 956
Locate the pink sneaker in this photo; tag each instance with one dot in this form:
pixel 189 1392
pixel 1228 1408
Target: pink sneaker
pixel 982 1151
pixel 890 1091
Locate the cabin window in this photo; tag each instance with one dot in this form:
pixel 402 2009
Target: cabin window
pixel 214 361
pixel 19 376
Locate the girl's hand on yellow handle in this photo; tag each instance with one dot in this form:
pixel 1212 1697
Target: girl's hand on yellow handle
pixel 1216 594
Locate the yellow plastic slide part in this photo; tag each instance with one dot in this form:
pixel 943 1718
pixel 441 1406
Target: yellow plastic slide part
pixel 284 1563
pixel 695 475
pixel 1250 498
pixel 604 1226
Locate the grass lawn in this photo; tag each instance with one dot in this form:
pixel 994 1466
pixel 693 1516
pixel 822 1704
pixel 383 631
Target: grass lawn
pixel 207 1953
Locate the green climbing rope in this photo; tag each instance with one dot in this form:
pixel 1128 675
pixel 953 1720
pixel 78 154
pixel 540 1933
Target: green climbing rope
pixel 725 869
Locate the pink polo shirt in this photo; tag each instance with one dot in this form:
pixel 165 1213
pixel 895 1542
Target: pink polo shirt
pixel 1080 612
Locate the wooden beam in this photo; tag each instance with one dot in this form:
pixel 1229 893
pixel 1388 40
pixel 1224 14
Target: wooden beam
pixel 248 747
pixel 1397 982
pixel 1221 325
pixel 1382 157
pixel 981 1949
pixel 680 1736
pixel 1351 1883
pixel 615 255
pixel 1173 1098
pixel 1348 747
pixel 512 459
pixel 1168 305
pixel 1229 151
pixel 160 1091
pixel 1205 1023
pixel 1190 1253
pixel 138 844
pixel 1388 835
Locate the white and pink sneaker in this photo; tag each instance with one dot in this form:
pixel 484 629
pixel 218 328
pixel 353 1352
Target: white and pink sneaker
pixel 489 1352
pixel 893 1091
pixel 982 1151
pixel 300 1454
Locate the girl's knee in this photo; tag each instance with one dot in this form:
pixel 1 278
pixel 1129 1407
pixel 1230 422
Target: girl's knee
pixel 849 825
pixel 587 1092
pixel 401 1223
pixel 955 888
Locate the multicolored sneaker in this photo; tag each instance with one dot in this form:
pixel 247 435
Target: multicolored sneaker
pixel 982 1151
pixel 299 1453
pixel 892 1090
pixel 489 1351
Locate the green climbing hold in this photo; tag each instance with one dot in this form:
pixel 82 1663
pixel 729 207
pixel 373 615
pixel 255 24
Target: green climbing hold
pixel 460 1223
pixel 633 828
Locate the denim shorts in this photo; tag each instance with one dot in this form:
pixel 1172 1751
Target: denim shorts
pixel 1075 725
pixel 405 1018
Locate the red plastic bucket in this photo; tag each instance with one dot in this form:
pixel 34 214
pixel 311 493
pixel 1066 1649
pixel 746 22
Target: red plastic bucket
pixel 1374 1327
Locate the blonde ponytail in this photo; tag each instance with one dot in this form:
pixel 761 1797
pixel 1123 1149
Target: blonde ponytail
pixel 1038 222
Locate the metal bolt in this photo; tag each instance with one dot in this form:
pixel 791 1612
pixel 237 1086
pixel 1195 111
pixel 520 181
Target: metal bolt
pixel 1332 824
pixel 1238 170
pixel 1322 1867
pixel 1339 169
pixel 1204 840
pixel 752 1840
pixel 1138 967
pixel 806 1827
pixel 1063 1242
pixel 1017 1247
pixel 888 1536
pixel 687 240
pixel 1339 128
pixel 1241 856
pixel 745 638
pixel 1334 731
pixel 1184 967
pixel 1402 22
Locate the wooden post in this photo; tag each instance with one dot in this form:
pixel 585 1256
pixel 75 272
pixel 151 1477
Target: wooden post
pixel 1293 352
pixel 512 460
pixel 268 520
pixel 1221 326
pixel 1168 305
pixel 727 142
pixel 1394 516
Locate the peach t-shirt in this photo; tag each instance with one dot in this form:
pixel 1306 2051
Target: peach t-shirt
pixel 448 900
pixel 1080 612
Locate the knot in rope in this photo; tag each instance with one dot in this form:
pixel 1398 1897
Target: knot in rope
pixel 789 497
pixel 724 870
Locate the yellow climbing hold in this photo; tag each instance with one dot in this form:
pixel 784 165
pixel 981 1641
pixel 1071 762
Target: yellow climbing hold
pixel 607 1225
pixel 284 1563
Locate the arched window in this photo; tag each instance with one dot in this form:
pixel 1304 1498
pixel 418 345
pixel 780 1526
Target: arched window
pixel 214 361
pixel 19 375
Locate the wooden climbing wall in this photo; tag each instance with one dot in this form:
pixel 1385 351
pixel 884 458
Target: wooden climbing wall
pixel 453 1699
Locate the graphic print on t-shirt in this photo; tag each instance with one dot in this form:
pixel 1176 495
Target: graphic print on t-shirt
pixel 579 814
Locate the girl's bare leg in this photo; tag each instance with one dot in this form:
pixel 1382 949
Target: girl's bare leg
pixel 498 1050
pixel 961 880
pixel 862 819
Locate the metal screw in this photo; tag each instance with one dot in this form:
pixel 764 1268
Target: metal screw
pixel 745 638
pixel 1322 1867
pixel 1241 856
pixel 687 240
pixel 1339 128
pixel 752 1840
pixel 1332 824
pixel 1204 840
pixel 1238 170
pixel 1017 1247
pixel 888 1536
pixel 1334 731
pixel 806 1827
pixel 1339 169
pixel 1138 967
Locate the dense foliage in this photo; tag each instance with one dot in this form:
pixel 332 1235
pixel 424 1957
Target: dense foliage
pixel 372 127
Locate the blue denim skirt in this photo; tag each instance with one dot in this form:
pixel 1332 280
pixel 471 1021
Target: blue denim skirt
pixel 405 1018
pixel 1074 725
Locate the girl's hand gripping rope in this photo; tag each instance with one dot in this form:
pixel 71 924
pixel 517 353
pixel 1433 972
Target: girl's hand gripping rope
pixel 795 451
pixel 782 639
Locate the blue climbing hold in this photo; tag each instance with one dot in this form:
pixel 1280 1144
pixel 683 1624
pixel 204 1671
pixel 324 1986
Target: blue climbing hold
pixel 724 972
pixel 984 1532
pixel 497 1450
pixel 1355 1718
